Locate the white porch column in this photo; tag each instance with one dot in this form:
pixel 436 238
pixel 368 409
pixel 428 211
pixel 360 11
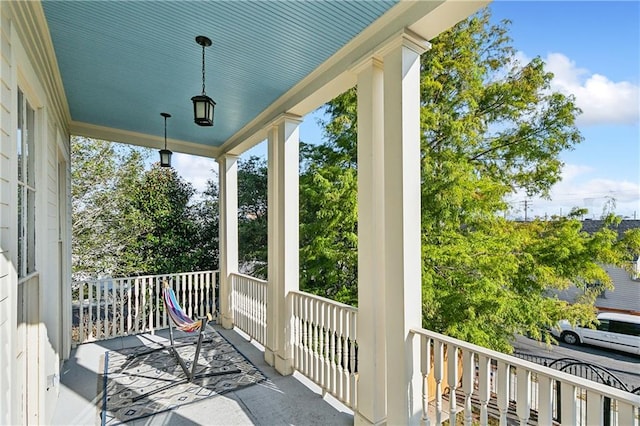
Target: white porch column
pixel 228 210
pixel 372 367
pixel 402 249
pixel 283 240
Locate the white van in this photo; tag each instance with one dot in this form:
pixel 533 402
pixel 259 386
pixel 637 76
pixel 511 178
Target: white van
pixel 614 331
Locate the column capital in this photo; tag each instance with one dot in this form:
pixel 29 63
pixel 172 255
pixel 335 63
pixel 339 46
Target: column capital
pixel 406 38
pixel 366 63
pixel 226 156
pixel 285 118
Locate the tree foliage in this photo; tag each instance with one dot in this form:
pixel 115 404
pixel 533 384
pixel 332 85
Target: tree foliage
pixel 102 175
pixel 490 126
pixel 164 223
pixel 328 224
pixel 252 216
pixel 128 220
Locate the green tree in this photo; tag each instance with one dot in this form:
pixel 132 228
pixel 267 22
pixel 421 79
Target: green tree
pixel 328 223
pixel 490 126
pixel 206 213
pixel 252 215
pixel 131 221
pixel 164 224
pixel 102 174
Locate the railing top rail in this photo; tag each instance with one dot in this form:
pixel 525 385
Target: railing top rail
pixel 324 300
pixel 100 280
pixel 605 390
pixel 249 277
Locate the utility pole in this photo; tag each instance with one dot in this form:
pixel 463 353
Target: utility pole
pixel 527 204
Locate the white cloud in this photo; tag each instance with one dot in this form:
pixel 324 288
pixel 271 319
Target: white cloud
pixel 195 170
pixel 571 171
pixel 578 190
pixel 602 101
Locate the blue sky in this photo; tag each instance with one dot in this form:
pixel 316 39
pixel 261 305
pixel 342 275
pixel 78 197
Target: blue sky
pixel 593 49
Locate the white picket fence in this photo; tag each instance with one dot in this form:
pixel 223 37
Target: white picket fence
pixel 113 307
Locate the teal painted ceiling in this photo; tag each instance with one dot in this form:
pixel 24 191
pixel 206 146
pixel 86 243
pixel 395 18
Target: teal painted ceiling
pixel 124 62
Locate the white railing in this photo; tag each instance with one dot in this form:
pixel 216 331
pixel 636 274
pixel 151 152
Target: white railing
pixel 249 306
pixel 324 344
pixel 107 308
pixel 492 384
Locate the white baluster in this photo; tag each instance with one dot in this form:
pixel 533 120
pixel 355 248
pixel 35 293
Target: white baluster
pixel 334 350
pixel 352 357
pixel 144 303
pixel 594 409
pixel 81 327
pixel 327 346
pixel 452 378
pixel 156 298
pixel 136 319
pixel 468 376
pixel 107 328
pixel 345 354
pixel 438 364
pixel 545 400
pixel 626 413
pixel 98 320
pixel 121 285
pixel 524 395
pixel 129 311
pixel 200 287
pixel 425 367
pixel 339 350
pixel 296 331
pixel 484 387
pixel 315 338
pixel 321 353
pixel 209 297
pixel 502 377
pixel 568 403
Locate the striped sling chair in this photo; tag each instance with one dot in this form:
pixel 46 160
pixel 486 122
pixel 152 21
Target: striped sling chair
pixel 180 320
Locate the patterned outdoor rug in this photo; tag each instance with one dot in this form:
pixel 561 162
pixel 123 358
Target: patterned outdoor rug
pixel 143 381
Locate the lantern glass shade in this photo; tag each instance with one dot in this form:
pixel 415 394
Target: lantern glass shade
pixel 203 107
pixel 165 158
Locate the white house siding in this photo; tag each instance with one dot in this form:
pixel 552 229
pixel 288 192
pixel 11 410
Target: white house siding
pixel 626 293
pixel 625 296
pixel 26 62
pixel 7 221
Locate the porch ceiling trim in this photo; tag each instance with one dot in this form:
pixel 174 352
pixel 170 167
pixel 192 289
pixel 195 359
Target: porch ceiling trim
pixel 142 139
pixel 31 26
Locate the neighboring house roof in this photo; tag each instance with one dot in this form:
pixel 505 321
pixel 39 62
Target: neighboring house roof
pixel 591 225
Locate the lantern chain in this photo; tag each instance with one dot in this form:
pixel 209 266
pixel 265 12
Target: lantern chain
pixel 203 92
pixel 165 132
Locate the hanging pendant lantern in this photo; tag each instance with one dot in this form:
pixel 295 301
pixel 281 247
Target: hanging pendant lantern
pixel 165 154
pixel 203 105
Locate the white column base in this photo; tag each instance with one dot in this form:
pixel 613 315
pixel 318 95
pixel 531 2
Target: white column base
pixel 226 322
pixel 269 357
pixel 284 366
pixel 360 420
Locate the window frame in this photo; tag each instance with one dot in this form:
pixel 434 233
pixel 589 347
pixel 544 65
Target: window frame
pixel 26 186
